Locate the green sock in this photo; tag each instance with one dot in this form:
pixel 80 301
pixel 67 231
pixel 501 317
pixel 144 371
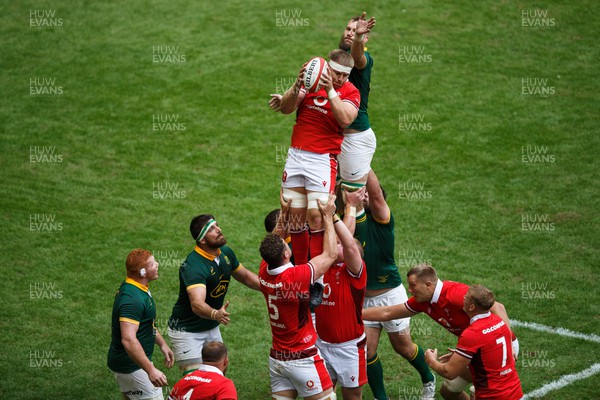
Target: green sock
pixel 375 376
pixel 418 362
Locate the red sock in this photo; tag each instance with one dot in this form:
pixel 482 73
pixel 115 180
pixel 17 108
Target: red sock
pixel 300 246
pixel 316 243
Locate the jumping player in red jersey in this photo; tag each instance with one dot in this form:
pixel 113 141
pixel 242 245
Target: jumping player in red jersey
pixel 295 364
pixel 208 382
pixel 339 324
pixel 311 164
pixel 443 301
pixel 485 347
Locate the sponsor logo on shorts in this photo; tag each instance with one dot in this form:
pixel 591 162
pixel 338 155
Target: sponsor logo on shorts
pixel 133 393
pixel 310 384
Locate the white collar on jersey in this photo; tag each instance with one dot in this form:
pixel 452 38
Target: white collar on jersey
pixel 279 270
pixel 438 290
pixel 210 368
pixel 479 316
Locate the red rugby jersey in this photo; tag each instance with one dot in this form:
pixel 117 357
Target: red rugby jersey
pixel 339 317
pixel 487 343
pixel 446 306
pixel 316 129
pixel 206 383
pixel 286 290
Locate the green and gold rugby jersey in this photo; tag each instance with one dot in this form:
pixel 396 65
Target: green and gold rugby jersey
pixel 134 304
pixel 361 78
pixel 377 239
pixel 200 269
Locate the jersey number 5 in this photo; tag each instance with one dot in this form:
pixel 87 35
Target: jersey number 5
pixel 275 314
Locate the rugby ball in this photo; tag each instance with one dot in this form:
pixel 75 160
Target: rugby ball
pixel 312 74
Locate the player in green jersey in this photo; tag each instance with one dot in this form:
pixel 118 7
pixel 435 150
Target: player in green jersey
pixel 204 280
pixel 375 230
pixel 359 142
pixel 134 334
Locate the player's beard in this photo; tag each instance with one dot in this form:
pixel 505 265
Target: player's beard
pixel 343 45
pixel 215 244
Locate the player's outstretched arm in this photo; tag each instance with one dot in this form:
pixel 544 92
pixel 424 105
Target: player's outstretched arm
pixel 322 262
pixel 135 350
pixel 247 277
pixel 386 313
pixel 352 257
pixel 357 50
pixel 379 208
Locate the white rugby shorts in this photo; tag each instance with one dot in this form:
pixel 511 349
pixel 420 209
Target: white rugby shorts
pixel 188 345
pixel 137 385
pixel 347 361
pixel 357 153
pixel 308 376
pixel 392 297
pixel 312 171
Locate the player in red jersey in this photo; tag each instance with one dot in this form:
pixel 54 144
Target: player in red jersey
pixel 296 366
pixel 341 331
pixel 443 301
pixel 311 164
pixel 485 347
pixel 208 382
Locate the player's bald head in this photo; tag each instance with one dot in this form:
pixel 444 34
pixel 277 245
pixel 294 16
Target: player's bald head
pixel 213 352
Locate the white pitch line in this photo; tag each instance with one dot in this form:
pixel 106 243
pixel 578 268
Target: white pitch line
pixel 562 382
pixel 557 331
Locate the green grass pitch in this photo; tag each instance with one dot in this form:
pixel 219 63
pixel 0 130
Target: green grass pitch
pixel 123 120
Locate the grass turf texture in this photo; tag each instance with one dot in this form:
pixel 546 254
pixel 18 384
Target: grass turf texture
pixel 228 161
